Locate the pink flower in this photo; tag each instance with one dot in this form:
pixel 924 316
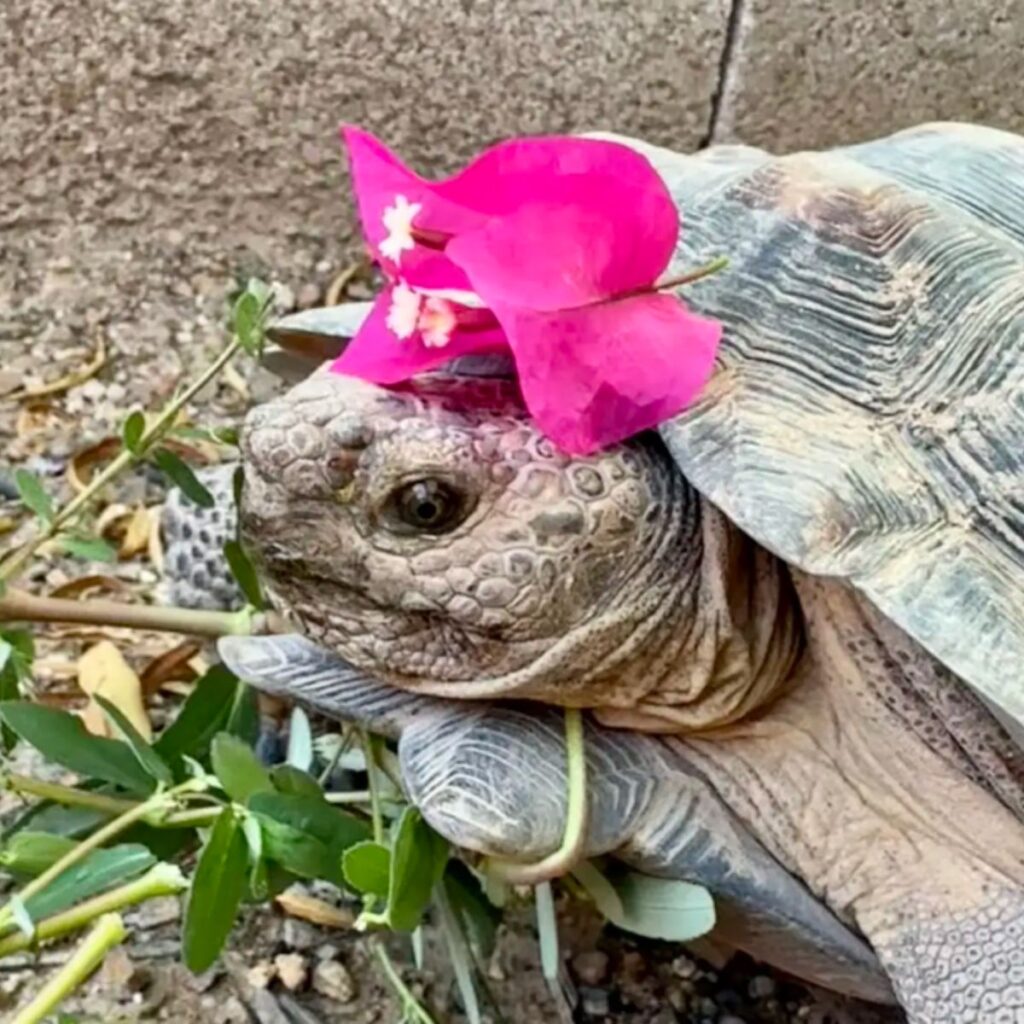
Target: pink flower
pixel 552 247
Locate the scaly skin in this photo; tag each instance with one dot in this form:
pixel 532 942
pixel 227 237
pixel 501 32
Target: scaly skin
pixel 855 760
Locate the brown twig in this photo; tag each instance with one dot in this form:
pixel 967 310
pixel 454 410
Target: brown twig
pixel 19 606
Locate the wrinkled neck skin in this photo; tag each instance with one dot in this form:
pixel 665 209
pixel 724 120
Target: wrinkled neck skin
pixel 881 781
pixel 719 645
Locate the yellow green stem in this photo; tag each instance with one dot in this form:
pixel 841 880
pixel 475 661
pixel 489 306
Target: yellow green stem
pixel 151 807
pixel 160 880
pixel 19 606
pixel 410 1004
pixel 66 795
pixel 108 933
pixel 571 850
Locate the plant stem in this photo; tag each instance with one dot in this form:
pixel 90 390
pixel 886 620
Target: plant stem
pixel 372 781
pixel 160 880
pixel 108 933
pixel 562 860
pixel 17 561
pixel 410 1004
pixel 66 795
pixel 356 796
pixel 154 804
pixel 19 606
pixel 693 275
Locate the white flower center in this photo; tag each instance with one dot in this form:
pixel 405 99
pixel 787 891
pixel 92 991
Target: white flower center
pixel 398 220
pixel 436 322
pixel 404 312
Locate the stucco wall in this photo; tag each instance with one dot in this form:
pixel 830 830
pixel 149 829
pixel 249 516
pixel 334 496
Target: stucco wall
pixel 131 121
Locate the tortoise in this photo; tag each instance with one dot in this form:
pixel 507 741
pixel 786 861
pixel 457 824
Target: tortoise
pixel 794 612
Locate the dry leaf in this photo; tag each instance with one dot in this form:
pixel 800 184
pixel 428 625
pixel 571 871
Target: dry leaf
pixel 172 665
pixel 297 903
pixel 155 545
pixel 84 584
pixel 136 533
pixel 102 671
pixel 80 468
pixel 70 380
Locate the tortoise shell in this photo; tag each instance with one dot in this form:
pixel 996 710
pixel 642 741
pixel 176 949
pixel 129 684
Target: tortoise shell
pixel 866 417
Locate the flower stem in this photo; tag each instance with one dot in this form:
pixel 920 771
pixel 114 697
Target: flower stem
pixel 12 566
pixel 66 795
pixel 410 1004
pixel 153 806
pixel 693 275
pixel 370 754
pixel 559 862
pixel 108 933
pixel 160 880
pixel 19 606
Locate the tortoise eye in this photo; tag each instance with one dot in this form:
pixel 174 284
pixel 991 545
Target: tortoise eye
pixel 432 506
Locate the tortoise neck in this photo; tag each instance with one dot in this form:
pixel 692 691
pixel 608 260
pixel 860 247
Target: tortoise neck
pixel 724 642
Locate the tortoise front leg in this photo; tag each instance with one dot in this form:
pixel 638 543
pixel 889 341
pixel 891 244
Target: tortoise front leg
pixel 493 779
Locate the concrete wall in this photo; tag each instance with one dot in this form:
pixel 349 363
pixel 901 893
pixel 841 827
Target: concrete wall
pixel 167 125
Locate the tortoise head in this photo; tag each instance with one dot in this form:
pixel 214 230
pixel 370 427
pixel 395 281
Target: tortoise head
pixel 434 538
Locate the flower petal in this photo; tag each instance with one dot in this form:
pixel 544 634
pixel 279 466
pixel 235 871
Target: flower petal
pixel 581 239
pixel 381 182
pixel 592 377
pixel 376 354
pixel 524 166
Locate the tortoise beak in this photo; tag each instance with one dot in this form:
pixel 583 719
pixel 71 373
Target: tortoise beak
pixel 299 343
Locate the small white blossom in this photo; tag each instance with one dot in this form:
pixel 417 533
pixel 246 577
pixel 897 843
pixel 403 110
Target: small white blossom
pixel 436 322
pixel 404 311
pixel 398 220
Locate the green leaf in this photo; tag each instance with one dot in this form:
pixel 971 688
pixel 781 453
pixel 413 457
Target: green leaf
pixel 31 491
pixel 306 834
pixel 91 549
pixel 418 859
pixel 367 868
pixel 657 908
pixel 62 738
pixel 244 719
pixel 17 652
pixel 31 853
pixel 288 779
pixel 201 717
pixel 132 430
pixel 216 893
pixel 244 573
pixel 547 931
pixel 99 871
pixel 73 822
pixel 477 915
pixel 249 316
pixel 150 760
pixel 182 475
pixel 300 740
pixel 239 770
pixel 459 954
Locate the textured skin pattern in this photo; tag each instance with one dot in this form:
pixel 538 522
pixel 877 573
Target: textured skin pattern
pixel 965 968
pixel 866 415
pixel 194 539
pixel 577 581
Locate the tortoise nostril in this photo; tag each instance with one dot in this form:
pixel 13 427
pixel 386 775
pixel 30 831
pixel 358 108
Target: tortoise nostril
pixel 341 465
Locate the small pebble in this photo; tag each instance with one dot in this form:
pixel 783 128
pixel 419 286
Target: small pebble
pixel 291 970
pixel 761 987
pixel 594 1001
pixel 332 979
pixel 591 967
pixel 300 935
pixel 261 974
